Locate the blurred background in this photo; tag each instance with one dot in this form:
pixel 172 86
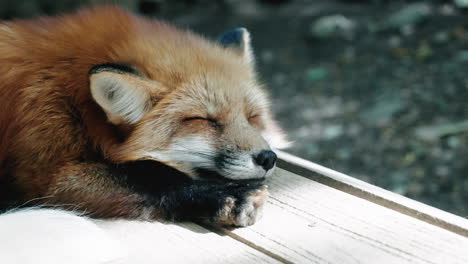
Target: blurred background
pixel 375 89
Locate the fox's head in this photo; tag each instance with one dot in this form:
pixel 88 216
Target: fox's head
pixel 192 104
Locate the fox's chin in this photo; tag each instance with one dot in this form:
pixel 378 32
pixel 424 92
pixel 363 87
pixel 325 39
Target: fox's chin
pixel 209 174
pixel 256 173
pixel 231 175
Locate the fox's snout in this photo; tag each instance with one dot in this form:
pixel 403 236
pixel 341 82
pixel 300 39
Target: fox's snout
pixel 244 165
pixel 266 159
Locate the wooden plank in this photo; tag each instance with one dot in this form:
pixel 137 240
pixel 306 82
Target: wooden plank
pixel 309 222
pixel 373 193
pixel 156 242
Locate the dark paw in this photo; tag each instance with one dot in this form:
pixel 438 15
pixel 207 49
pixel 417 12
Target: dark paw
pixel 245 211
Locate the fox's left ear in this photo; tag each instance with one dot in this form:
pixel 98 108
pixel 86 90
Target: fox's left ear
pixel 120 92
pixel 238 39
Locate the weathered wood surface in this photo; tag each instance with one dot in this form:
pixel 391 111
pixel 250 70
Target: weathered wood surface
pixel 304 222
pixel 157 242
pixel 308 222
pixel 373 193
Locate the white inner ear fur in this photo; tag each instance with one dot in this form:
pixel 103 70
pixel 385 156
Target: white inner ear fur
pixel 123 98
pixel 246 47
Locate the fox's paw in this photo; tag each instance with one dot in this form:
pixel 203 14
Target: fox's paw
pixel 245 211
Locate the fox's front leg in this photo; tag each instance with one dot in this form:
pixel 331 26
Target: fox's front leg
pixel 96 189
pixel 144 191
pixel 228 204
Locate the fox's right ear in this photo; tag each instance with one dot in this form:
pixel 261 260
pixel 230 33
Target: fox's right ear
pixel 238 39
pixel 124 97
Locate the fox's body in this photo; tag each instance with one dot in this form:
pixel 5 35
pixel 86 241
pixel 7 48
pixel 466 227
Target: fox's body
pixel 86 98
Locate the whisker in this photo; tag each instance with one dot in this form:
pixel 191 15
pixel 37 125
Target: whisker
pixel 210 155
pixel 233 163
pixel 21 206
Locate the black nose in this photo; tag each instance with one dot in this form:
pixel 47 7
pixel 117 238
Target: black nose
pixel 266 159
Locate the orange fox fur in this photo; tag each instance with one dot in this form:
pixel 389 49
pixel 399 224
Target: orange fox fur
pixel 52 132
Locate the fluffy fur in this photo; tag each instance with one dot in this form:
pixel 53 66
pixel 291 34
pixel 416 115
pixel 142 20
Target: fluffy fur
pixel 107 113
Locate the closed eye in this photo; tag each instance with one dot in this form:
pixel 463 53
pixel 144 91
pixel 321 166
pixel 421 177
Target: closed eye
pixel 254 118
pixel 194 118
pixel 212 121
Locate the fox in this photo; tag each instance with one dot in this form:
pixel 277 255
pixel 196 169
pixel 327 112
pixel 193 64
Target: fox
pixel 120 116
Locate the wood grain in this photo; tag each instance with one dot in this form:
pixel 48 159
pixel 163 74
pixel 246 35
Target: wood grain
pixel 308 222
pixel 156 242
pixel 373 193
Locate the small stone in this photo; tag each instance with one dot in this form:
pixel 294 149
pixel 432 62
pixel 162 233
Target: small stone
pixel 465 184
pixel 462 55
pixel 349 55
pixel 433 188
pixel 424 51
pixel 461 3
pixel 401 189
pixel 354 130
pixel 442 171
pixel 447 10
pixel 459 32
pixel 407 16
pixel 399 178
pixel 246 8
pixel 279 79
pixel 453 142
pixel 415 188
pixel 267 56
pixel 382 111
pixel 433 132
pixel 448 156
pixel 409 159
pixel 407 30
pixel 332 26
pixel 333 132
pixel 312 150
pixel 441 37
pixel 394 41
pixel 400 52
pixel 344 154
pixel 419 172
pixel 316 74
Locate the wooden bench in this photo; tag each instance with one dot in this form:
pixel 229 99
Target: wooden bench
pixel 317 215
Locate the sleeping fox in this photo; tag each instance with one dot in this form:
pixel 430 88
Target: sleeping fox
pixel 116 115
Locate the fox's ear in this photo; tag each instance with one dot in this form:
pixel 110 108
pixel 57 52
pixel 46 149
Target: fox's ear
pixel 238 39
pixel 125 98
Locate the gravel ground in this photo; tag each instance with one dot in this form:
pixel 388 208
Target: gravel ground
pixel 375 89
